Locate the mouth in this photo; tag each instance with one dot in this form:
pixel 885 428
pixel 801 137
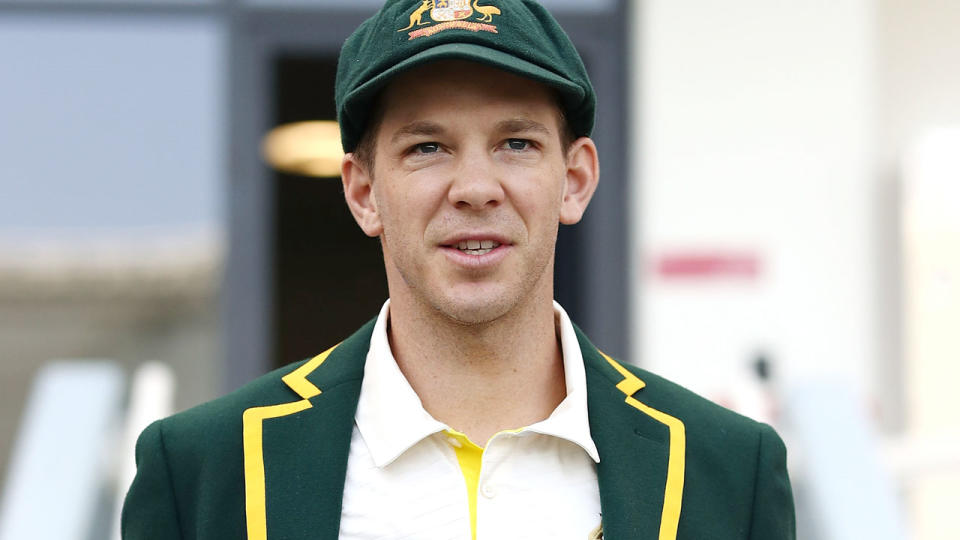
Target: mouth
pixel 476 247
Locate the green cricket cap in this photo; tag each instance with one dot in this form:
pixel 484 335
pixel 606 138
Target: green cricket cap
pixel 518 36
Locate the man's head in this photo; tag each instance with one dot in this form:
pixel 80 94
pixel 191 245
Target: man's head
pixel 474 170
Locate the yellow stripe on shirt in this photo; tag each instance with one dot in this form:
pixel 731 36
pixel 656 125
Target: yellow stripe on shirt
pixel 470 458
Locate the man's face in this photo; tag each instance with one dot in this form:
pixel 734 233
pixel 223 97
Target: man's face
pixel 469 185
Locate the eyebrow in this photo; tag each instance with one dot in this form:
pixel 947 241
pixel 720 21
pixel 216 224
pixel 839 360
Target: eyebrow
pixel 520 125
pixel 420 128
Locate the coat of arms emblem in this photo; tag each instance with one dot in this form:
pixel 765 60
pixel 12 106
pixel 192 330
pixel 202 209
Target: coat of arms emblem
pixel 450 10
pixel 449 15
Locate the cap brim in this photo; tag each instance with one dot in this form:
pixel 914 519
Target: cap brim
pixel 462 51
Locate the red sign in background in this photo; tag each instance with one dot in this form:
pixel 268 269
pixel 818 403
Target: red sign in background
pixel 703 266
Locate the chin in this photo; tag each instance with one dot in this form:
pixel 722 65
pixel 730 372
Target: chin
pixel 470 313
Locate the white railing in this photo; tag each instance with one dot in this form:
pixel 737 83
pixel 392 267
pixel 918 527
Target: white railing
pixel 73 458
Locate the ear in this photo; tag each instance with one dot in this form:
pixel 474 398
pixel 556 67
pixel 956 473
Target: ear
pixel 358 191
pixel 583 174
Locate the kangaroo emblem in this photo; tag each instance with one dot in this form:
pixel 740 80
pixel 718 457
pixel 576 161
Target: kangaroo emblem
pixel 487 12
pixel 416 18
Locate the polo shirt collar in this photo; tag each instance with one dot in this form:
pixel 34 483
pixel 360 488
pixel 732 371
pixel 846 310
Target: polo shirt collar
pixel 391 418
pixel 570 420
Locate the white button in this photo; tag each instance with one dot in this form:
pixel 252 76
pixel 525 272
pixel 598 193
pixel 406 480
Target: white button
pixel 454 443
pixel 488 490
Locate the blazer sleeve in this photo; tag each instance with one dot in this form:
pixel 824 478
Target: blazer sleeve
pixel 150 509
pixel 773 514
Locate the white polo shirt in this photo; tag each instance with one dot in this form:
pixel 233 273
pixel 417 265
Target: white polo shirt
pixel 408 473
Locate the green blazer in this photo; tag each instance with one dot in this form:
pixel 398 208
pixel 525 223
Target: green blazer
pixel 270 460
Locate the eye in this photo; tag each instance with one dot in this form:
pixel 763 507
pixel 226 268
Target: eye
pixel 427 148
pixel 518 144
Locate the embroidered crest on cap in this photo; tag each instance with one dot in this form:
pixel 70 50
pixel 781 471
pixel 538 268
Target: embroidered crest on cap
pixel 439 15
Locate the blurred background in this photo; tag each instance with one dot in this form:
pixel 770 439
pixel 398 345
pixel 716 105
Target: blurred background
pixel 777 228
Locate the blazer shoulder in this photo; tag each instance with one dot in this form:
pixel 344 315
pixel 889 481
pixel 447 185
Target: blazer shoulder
pixel 692 408
pixel 222 417
pixel 713 432
pixel 662 394
pixel 732 462
pixel 344 363
pixel 190 466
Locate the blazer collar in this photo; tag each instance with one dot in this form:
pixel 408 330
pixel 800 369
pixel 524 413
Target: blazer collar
pixel 301 446
pixel 642 451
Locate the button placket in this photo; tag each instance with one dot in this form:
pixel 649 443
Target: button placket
pixel 488 490
pixel 492 457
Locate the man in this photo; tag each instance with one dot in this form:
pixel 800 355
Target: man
pixel 470 407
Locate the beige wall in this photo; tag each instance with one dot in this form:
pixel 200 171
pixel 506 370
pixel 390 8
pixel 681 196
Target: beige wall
pixel 779 129
pixel 919 83
pixel 755 120
pixel 919 48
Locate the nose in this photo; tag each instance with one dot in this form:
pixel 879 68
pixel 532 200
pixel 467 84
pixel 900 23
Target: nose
pixel 476 183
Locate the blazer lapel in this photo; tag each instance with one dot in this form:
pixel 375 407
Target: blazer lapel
pixel 295 453
pixel 642 452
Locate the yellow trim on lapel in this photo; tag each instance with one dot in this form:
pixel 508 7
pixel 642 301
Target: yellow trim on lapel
pixel 253 468
pixel 297 379
pixel 630 383
pixel 253 473
pixel 676 463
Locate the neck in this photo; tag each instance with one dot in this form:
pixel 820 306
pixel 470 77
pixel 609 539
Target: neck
pixel 480 378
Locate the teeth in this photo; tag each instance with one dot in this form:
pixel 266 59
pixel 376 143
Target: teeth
pixel 477 247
